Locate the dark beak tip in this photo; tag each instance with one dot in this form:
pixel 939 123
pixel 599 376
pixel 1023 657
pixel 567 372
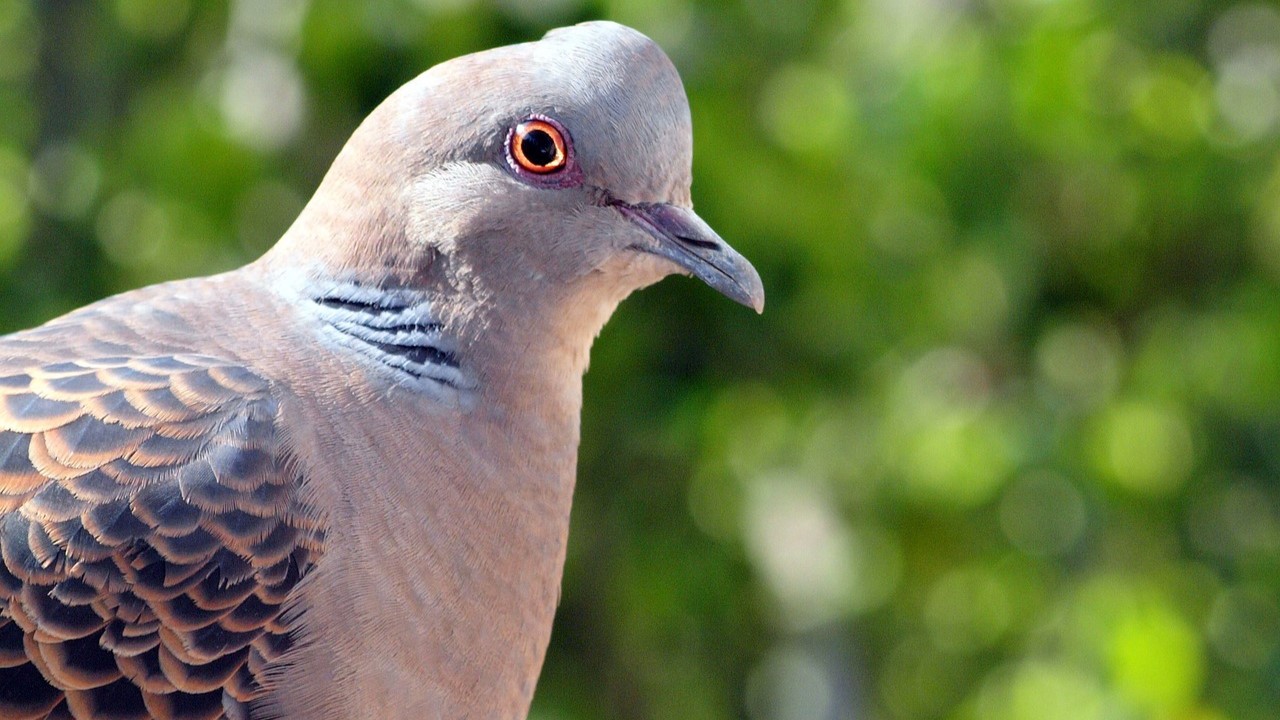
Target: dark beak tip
pixel 752 290
pixel 682 237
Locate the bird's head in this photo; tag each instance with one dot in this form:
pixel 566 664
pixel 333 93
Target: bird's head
pixel 525 191
pixel 553 169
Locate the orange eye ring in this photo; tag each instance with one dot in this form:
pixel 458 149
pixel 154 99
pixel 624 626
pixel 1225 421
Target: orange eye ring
pixel 538 147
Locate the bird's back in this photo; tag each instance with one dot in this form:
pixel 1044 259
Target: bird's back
pixel 151 528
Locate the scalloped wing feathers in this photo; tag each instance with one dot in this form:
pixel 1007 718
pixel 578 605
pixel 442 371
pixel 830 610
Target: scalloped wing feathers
pixel 150 534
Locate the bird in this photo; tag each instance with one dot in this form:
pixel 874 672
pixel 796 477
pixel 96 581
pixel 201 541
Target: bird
pixel 336 482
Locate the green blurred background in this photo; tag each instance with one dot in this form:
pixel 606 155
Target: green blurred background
pixel 1004 444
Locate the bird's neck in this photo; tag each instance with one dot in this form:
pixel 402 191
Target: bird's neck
pixel 462 529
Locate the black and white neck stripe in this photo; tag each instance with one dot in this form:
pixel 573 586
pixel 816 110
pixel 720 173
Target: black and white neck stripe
pixel 393 327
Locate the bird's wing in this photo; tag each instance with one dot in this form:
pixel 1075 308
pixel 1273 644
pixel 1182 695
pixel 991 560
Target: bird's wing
pixel 151 531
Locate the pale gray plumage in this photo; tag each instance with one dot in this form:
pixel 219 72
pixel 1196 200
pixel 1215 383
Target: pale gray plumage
pixel 336 483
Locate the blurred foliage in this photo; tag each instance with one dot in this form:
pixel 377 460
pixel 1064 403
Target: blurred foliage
pixel 1004 444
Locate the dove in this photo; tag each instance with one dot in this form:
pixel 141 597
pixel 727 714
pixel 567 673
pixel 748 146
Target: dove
pixel 336 482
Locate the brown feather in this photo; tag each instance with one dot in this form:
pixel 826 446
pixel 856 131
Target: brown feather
pixel 146 465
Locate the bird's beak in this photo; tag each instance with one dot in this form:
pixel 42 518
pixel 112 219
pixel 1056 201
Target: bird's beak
pixel 679 235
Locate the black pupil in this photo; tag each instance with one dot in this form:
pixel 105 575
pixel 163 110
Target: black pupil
pixel 539 147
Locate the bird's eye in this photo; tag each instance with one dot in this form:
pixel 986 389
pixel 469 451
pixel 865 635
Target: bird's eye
pixel 538 146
